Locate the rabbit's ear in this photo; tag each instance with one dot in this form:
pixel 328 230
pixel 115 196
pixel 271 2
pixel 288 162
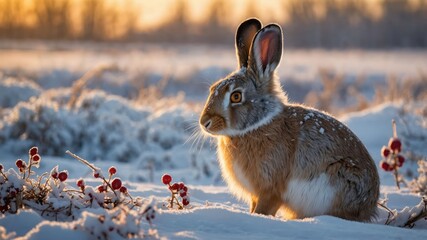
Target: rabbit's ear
pixel 244 35
pixel 266 50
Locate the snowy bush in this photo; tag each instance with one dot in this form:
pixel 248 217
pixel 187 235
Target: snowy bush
pixel 110 209
pixel 408 216
pixel 99 126
pixel 419 184
pixel 13 91
pixel 56 78
pixel 39 121
pixel 110 79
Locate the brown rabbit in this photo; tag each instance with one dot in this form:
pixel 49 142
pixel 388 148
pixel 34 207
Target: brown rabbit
pixel 278 155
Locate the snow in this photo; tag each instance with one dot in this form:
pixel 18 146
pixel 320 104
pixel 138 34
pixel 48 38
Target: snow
pixel 146 138
pixel 219 218
pixel 214 213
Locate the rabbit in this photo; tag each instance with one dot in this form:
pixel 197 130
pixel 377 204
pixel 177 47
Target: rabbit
pixel 281 157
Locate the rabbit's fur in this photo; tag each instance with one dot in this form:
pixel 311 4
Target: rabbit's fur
pixel 277 155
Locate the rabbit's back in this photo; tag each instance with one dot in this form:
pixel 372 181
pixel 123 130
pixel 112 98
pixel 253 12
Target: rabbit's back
pixel 310 161
pixel 331 154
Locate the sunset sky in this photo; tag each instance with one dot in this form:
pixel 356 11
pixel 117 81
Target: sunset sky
pixel 152 13
pixel 119 19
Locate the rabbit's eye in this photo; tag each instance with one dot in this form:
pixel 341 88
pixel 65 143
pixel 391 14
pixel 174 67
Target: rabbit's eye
pixel 236 97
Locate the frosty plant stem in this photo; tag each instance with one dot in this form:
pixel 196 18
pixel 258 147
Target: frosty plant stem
pixel 396 174
pixel 81 160
pixel 95 169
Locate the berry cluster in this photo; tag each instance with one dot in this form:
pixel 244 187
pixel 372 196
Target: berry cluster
pixel 15 187
pixel 392 159
pixel 33 160
pixel 178 190
pixel 115 184
pixel 61 176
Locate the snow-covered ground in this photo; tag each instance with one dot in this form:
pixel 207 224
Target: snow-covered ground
pixel 148 136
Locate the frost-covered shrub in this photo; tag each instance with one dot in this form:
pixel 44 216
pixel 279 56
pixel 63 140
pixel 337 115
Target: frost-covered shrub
pixel 109 126
pixel 106 211
pixel 408 216
pixel 56 78
pixel 40 121
pixel 419 184
pixel 99 126
pixel 112 224
pixel 13 91
pixel 113 81
pixel 51 194
pixel 422 176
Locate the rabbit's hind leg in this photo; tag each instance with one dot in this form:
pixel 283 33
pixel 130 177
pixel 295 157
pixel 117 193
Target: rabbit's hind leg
pixel 268 205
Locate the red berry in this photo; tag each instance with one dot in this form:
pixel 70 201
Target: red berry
pixel 185 189
pixel 116 183
pixel 1 167
pixel 181 185
pixel 33 151
pixel 183 194
pixel 185 202
pixel 35 158
pixel 385 151
pixel 112 170
pixel 395 145
pixel 96 174
pixel 166 179
pixel 400 160
pixel 101 188
pixel 62 176
pixel 80 183
pixel 174 186
pixel 385 166
pixel 55 175
pixel 19 163
pixel 123 189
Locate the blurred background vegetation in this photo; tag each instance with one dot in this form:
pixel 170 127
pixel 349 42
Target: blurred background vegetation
pixel 306 23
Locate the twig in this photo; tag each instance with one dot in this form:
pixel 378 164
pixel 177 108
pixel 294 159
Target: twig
pixel 393 122
pixel 84 161
pixel 396 174
pixel 395 158
pixel 420 215
pixel 390 213
pixel 5 177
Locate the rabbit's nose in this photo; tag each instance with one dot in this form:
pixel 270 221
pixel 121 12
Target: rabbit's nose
pixel 207 124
